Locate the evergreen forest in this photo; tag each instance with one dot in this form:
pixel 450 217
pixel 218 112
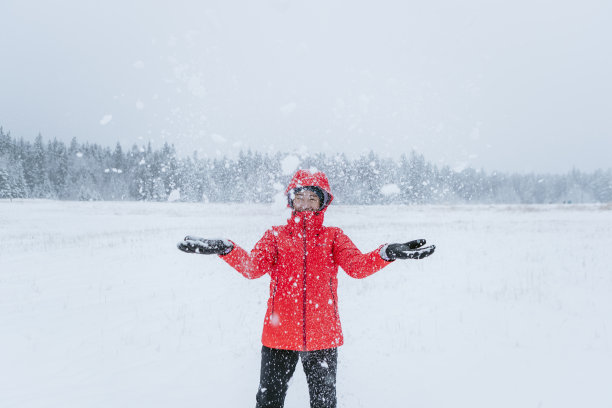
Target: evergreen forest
pixel 84 171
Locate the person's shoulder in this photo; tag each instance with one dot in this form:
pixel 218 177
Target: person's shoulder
pixel 276 229
pixel 333 230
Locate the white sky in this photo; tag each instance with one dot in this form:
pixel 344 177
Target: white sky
pixel 521 85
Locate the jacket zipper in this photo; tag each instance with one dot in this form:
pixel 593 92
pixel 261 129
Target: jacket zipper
pixel 275 282
pixel 304 282
pixel 331 288
pixel 274 295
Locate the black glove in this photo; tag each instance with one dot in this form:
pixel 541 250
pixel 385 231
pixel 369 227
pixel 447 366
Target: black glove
pixel 197 245
pixel 409 250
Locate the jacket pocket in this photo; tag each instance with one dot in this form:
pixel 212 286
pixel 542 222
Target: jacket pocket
pixel 274 295
pixel 333 297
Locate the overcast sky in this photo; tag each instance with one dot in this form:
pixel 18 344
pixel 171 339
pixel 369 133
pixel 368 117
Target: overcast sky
pixel 521 85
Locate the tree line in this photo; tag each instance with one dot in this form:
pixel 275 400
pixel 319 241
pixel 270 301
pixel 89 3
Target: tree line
pixel 84 171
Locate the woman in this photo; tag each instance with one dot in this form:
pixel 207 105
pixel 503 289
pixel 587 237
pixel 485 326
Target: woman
pixel 302 259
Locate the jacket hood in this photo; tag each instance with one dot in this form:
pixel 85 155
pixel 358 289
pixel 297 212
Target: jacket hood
pixel 306 178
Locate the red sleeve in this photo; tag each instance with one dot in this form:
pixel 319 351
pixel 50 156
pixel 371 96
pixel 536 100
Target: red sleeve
pixel 352 261
pixel 259 262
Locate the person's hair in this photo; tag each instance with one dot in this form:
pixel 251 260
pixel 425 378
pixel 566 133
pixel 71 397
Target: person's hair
pixel 322 194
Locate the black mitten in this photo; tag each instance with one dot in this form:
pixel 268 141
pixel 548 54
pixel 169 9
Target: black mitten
pixel 409 250
pixel 197 245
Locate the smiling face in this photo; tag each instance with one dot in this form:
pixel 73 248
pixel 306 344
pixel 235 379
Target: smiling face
pixel 306 200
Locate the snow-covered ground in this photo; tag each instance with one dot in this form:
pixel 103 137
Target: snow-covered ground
pixel 99 309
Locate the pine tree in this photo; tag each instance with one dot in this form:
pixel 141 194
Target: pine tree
pixel 36 175
pixel 6 190
pixel 57 168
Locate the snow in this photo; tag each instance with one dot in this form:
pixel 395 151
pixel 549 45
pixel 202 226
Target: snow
pixel 289 164
pixel 174 195
pixel 217 138
pixel 288 108
pixel 98 307
pixel 390 189
pixel 106 119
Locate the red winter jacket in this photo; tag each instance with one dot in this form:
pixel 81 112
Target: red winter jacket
pixel 302 259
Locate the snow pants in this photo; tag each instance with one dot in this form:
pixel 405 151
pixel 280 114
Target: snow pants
pixel 277 367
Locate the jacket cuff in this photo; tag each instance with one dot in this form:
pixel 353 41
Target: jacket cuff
pixel 230 245
pixel 383 253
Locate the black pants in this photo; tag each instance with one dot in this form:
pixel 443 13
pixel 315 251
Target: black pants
pixel 277 367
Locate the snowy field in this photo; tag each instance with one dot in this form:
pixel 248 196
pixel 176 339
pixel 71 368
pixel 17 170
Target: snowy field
pixel 99 309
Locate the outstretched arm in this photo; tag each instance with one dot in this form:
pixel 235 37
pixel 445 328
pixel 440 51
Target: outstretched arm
pixel 252 266
pixel 355 263
pixel 359 265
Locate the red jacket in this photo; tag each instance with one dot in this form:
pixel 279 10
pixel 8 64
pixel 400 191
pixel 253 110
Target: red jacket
pixel 302 259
